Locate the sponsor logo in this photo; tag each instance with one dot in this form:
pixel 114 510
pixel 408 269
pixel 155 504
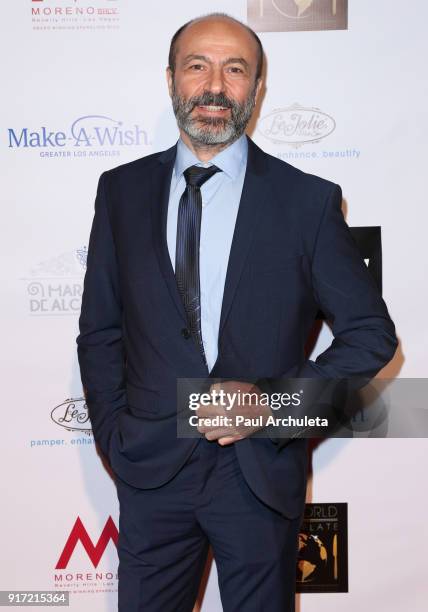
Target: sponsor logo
pixel 88 136
pixel 87 580
pixel 322 565
pixel 54 287
pixel 79 534
pixel 295 15
pixel 75 14
pixel 296 125
pixel 73 415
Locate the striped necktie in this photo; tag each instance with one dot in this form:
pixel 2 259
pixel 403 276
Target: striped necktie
pixel 187 248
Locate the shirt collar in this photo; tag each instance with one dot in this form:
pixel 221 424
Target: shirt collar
pixel 231 160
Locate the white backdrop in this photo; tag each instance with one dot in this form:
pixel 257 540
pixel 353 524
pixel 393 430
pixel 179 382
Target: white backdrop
pixel 83 91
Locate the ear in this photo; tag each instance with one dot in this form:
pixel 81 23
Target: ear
pixel 169 79
pixel 258 88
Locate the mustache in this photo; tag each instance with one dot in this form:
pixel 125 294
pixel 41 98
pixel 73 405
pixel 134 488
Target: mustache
pixel 211 99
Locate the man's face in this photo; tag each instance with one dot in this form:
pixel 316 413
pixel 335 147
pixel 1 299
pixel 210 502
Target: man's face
pixel 213 88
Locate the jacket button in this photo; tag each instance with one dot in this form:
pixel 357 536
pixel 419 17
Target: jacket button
pixel 185 333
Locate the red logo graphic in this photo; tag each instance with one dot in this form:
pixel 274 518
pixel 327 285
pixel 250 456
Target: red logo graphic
pixel 95 553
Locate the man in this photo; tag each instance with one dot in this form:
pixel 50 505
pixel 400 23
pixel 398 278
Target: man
pixel 211 259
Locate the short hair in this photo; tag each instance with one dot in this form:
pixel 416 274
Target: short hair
pixel 174 40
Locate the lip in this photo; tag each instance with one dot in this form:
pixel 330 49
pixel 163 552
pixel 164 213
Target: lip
pixel 212 111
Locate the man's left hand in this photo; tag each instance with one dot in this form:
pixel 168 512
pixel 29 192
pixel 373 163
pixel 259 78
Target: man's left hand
pixel 248 407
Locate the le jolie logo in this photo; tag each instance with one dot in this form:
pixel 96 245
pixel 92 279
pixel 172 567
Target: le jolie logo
pixel 296 125
pixel 72 415
pixel 94 551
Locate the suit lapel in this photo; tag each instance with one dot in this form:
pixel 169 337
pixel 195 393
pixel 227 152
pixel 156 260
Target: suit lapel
pixel 251 204
pixel 161 182
pixel 250 207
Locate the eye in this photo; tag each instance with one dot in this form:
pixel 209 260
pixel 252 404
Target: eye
pixel 236 70
pixel 196 67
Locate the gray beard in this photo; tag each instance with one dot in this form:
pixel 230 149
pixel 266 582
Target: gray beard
pixel 209 131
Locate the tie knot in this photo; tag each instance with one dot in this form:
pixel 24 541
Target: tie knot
pixel 196 176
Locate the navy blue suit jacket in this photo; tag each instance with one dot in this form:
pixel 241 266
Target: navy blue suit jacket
pixel 291 255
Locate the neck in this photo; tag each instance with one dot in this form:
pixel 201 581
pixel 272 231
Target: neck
pixel 203 152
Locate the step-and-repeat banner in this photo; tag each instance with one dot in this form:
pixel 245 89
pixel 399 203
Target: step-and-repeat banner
pixel 84 90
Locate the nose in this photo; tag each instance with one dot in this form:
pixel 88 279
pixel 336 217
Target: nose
pixel 215 81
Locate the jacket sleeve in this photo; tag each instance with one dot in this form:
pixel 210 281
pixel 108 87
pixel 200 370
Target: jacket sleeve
pixel 364 334
pixel 100 348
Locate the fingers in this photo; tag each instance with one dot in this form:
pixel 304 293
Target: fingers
pixel 228 440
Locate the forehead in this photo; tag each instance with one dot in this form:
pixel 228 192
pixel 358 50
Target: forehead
pixel 217 37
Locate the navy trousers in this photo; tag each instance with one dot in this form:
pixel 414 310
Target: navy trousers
pixel 165 534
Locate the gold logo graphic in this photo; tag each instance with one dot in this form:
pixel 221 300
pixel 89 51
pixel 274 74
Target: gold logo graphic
pixel 313 553
pixel 322 564
pixel 294 15
pixel 302 5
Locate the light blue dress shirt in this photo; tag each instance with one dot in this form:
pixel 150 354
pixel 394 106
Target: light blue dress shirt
pixel 221 195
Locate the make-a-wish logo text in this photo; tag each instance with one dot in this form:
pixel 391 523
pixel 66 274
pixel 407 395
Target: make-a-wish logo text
pixel 85 134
